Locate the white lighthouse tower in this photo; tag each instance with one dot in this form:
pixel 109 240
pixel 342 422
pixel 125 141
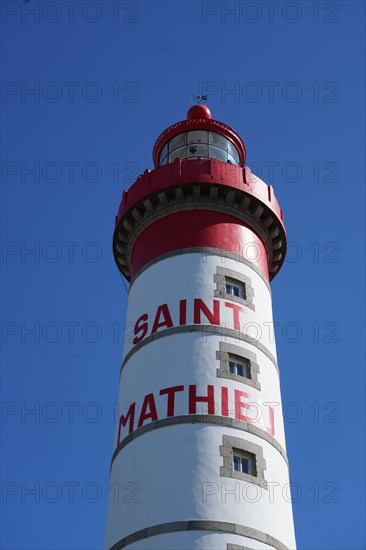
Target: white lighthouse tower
pixel 200 456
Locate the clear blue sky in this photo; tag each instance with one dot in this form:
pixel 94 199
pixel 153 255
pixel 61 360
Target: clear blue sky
pixel 108 79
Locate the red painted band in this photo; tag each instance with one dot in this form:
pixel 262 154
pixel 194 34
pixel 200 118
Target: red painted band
pixel 186 172
pixel 198 229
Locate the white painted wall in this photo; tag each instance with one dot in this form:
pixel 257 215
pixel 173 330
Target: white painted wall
pixel 176 468
pixel 190 276
pixel 172 468
pixel 190 358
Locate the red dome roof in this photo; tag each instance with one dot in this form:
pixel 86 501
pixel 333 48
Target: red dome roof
pixel 199 111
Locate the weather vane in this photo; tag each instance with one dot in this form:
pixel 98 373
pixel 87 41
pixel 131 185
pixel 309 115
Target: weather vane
pixel 199 98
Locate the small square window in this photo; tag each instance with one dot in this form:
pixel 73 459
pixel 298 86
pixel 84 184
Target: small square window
pixel 177 153
pixel 232 160
pixel 244 462
pixel 197 150
pixel 164 155
pixel 218 140
pixel 217 153
pixel 177 141
pixel 239 366
pixel 233 152
pixel 235 288
pixel 198 136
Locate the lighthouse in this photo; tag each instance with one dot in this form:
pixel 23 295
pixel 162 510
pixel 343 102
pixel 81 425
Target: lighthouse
pixel 199 459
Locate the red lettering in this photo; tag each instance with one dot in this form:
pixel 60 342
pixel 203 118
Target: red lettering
pixel 224 401
pixel 209 399
pixel 148 410
pixel 170 392
pixel 271 428
pixel 239 405
pixel 167 320
pixel 236 309
pixel 140 326
pixel 200 306
pixel 183 312
pixel 123 421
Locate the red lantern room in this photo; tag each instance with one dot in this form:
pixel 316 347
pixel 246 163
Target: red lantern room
pixel 199 195
pixel 199 137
